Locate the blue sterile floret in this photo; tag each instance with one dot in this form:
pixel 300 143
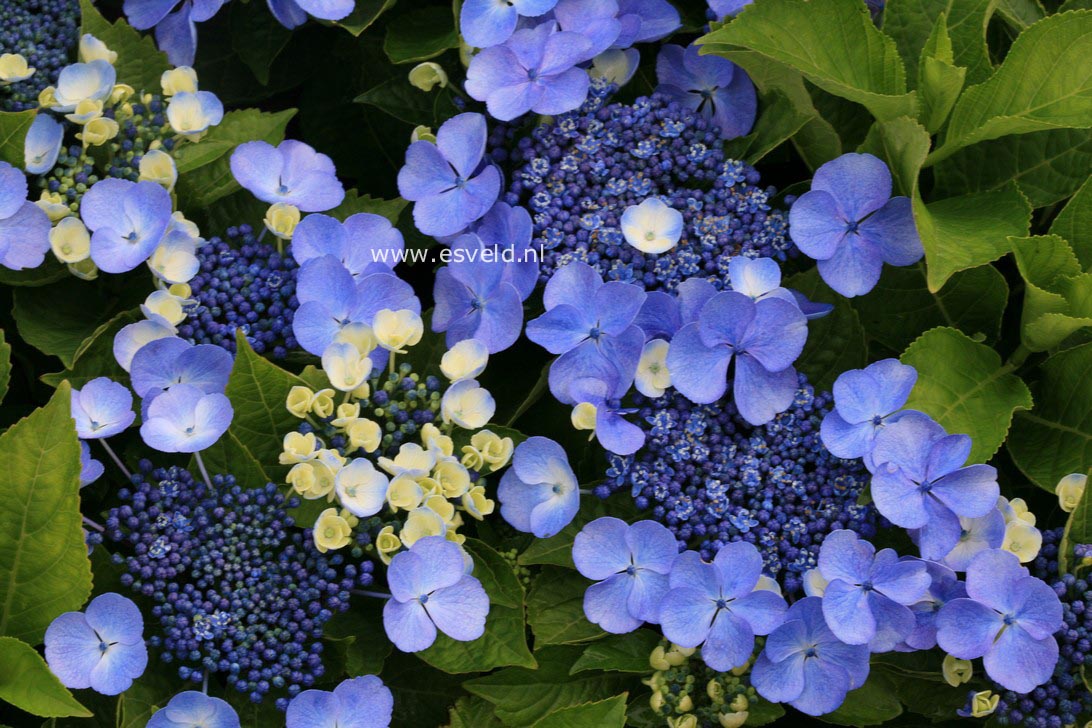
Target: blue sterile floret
pixel 578 175
pixel 237 588
pixel 45 33
pixel 713 479
pixel 243 283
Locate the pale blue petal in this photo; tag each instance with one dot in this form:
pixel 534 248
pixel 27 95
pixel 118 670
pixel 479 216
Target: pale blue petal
pixel 860 182
pixel 408 625
pixel 729 644
pixel 966 629
pixel 892 230
pixel 697 371
pixel 1019 662
pixel 847 612
pixel 686 616
pixel 761 395
pixel 459 610
pixel 816 225
pixel 600 549
pixel 606 605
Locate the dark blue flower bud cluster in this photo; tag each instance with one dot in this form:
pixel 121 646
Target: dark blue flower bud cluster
pixel 401 403
pixel 578 174
pixel 712 478
pixel 243 284
pixel 45 32
pixel 238 589
pixel 1066 698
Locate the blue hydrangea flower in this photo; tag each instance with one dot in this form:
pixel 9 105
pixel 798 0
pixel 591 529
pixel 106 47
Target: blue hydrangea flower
pixel 192 709
pixel 103 408
pixel 765 337
pixel 192 113
pixel 718 605
pixel 293 13
pixel 331 300
pixel 186 419
pixel 83 82
pixel 127 220
pixel 43 144
pixel 805 665
pixel 919 482
pixel 431 591
pixel 865 401
pixel 485 23
pixel 291 172
pixel 101 648
pixel 605 391
pixel 90 468
pixel 24 227
pixel 713 86
pixel 175 29
pixel 473 301
pixel 724 8
pixel 757 278
pixel 449 182
pixel 539 493
pixel 851 224
pixel 164 363
pixel 1008 618
pixel 976 535
pixel 534 70
pixel 599 22
pixel 590 324
pixel 359 702
pixel 867 598
pixel 505 231
pixel 944 587
pixel 630 565
pixel 133 337
pixel 364 243
pixel 658 18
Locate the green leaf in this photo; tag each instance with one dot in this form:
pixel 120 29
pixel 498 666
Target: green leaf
pixel 835 342
pixel 1028 92
pixel 522 696
pixel 365 13
pixel 139 63
pixel 228 456
pixel 257 38
pixel 910 23
pixel 258 390
pixel 204 168
pixel 557 550
pixel 901 306
pixel 13 133
pixel 496 574
pixel 903 143
pixel 504 644
pixel 398 98
pixel 472 712
pixel 355 202
pixel 1056 439
pixel 48 272
pixel 1056 301
pixel 1047 165
pixel 555 608
pixel 1074 223
pixel 609 713
pixel 5 365
pixel 359 636
pixel 939 79
pixel 1078 529
pixel 873 703
pixel 1021 14
pixel 981 222
pixel 833 43
pixel 778 122
pixel 27 683
pixel 963 386
pixel 619 653
pixel 95 356
pixel 419 35
pixel 44 569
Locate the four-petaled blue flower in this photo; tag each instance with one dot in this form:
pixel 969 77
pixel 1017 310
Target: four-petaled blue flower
pixel 292 172
pixel 24 227
pixel 865 401
pixel 448 181
pixel 919 482
pixel 715 87
pixel 164 363
pixel 103 408
pixel 851 224
pixel 127 220
pixel 1008 618
pixel 485 23
pixel 474 301
pixel 765 337
pixel 186 419
pixel 505 232
pixel 175 29
pixel 590 324
pixel 805 665
pixel 359 702
pixel 718 605
pixel 866 601
pixel 430 591
pixel 192 709
pixel 605 391
pixel 539 494
pixel 534 70
pixel 101 648
pixel 365 243
pixel 630 565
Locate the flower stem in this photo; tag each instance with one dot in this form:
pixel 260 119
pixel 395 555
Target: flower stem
pixel 117 461
pixel 91 524
pixel 377 595
pixel 204 472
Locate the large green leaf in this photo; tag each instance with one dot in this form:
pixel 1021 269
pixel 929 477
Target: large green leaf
pixel 1047 165
pixel 965 232
pixel 940 80
pixel 1056 438
pixel 258 390
pixel 1057 300
pixel 1045 82
pixel 95 356
pixel 257 37
pixel 398 98
pixel 496 574
pixel 901 306
pixel 419 35
pixel 139 62
pixel 835 342
pixel 963 386
pixel 903 143
pixel 364 14
pixel 14 126
pixel 1074 223
pixel 555 608
pixel 44 569
pixel 874 703
pixel 472 712
pixel 359 637
pixel 779 121
pixel 833 43
pixel 910 22
pixel 619 653
pixel 609 713
pixel 27 683
pixel 355 202
pixel 5 365
pixel 522 696
pixel 228 456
